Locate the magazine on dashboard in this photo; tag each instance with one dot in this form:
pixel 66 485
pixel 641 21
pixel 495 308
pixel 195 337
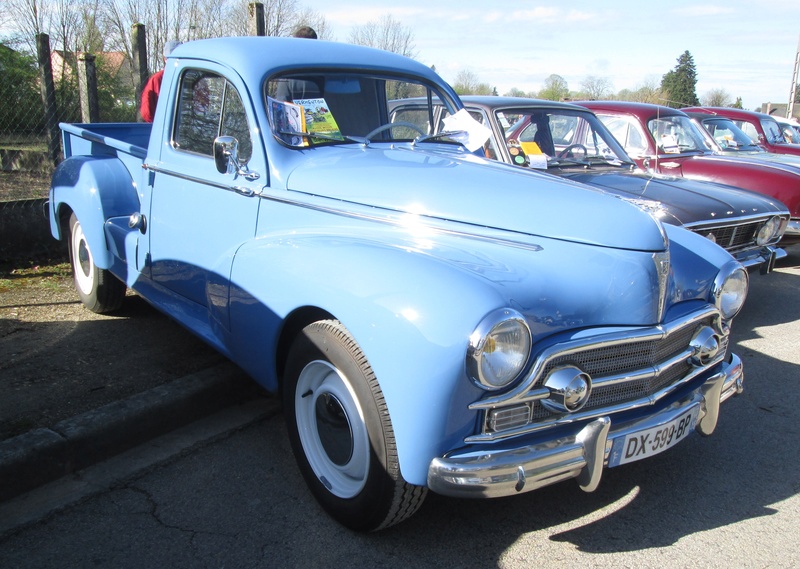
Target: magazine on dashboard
pixel 288 121
pixel 318 117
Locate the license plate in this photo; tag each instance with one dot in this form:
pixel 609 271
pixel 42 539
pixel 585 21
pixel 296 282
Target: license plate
pixel 650 442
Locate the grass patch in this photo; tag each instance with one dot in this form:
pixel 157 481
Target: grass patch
pixel 46 277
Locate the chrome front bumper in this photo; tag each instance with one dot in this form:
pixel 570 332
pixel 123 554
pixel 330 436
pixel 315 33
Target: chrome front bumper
pixel 764 260
pixel 495 473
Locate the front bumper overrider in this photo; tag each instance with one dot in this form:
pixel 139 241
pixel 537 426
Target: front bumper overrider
pixel 583 455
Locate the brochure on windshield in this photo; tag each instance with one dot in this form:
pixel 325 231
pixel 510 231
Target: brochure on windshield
pixel 477 133
pixel 287 118
pixel 318 117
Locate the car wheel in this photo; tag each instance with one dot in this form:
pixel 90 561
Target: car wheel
pixel 341 433
pixel 99 290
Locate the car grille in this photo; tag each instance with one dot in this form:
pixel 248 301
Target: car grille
pixel 734 238
pixel 627 370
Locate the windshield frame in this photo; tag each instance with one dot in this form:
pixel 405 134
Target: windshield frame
pixel 665 139
pixel 739 141
pixel 586 123
pixel 378 101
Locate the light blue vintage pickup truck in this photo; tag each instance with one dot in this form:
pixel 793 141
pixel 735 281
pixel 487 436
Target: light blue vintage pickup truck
pixel 434 321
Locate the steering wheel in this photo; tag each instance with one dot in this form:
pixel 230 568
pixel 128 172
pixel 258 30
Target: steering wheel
pixel 569 150
pixel 387 126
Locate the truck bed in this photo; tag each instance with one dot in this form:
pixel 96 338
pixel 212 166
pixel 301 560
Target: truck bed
pixel 106 138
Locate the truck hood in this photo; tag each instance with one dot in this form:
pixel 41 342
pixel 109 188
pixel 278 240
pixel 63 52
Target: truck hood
pixel 684 201
pixel 455 186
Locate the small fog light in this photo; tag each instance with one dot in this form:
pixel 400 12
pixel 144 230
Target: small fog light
pixel 569 389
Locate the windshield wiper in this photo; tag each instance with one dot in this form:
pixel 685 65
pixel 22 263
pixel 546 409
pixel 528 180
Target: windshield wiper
pixel 458 136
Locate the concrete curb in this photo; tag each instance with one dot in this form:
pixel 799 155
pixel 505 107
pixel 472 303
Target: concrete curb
pixel 43 455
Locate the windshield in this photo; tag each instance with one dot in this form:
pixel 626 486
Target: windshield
pixel 561 136
pixel 314 108
pixel 727 135
pixel 772 131
pixel 676 135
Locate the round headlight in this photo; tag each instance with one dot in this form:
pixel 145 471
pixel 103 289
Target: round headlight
pixel 768 231
pixel 730 289
pixel 498 349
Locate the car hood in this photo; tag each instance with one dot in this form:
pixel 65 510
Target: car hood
pixel 451 186
pixel 683 201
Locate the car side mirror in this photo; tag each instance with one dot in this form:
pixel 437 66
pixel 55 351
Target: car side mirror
pixel 226 158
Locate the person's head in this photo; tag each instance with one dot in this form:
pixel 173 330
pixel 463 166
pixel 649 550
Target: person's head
pixel 169 46
pixel 305 32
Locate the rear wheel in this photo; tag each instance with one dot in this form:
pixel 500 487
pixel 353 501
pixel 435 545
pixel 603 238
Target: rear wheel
pixel 340 431
pixel 99 290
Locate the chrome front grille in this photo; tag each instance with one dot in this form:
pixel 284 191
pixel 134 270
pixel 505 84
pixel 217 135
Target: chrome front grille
pixel 627 370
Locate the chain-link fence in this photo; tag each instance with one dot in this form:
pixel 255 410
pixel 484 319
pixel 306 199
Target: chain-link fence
pixel 37 94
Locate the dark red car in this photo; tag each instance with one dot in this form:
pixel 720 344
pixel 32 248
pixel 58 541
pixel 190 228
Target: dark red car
pixel 762 129
pixel 665 140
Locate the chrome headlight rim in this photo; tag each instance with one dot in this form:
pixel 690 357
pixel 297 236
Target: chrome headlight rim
pixel 483 342
pixel 770 231
pixel 729 291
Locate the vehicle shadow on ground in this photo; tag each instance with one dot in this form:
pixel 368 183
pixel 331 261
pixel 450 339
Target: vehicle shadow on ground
pixel 63 360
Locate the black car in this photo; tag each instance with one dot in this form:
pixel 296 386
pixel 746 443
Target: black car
pixel 569 141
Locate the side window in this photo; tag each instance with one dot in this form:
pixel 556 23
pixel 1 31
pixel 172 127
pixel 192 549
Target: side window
pixel 626 133
pixel 749 130
pixel 208 107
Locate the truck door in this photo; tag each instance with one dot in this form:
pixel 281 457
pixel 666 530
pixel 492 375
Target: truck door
pixel 199 217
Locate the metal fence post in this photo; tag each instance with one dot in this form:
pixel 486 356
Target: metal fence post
pixel 49 98
pixel 141 75
pixel 87 88
pixel 256 26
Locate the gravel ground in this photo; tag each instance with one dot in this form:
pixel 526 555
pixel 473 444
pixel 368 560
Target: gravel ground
pixel 58 359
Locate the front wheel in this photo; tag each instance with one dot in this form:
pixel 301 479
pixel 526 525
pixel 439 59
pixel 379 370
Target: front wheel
pixel 340 431
pixel 99 290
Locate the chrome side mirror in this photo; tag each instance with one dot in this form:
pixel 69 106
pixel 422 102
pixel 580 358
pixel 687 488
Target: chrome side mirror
pixel 226 158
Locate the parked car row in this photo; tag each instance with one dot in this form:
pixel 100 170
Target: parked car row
pixel 433 320
pixel 666 141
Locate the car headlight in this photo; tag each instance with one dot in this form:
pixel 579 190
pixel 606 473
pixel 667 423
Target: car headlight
pixel 769 231
pixel 730 289
pixel 498 349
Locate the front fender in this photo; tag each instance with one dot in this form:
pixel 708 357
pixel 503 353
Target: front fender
pixel 410 312
pixel 96 189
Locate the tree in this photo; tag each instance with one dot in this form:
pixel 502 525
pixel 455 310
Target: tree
pixel 467 83
pixel 680 83
pixel 717 98
pixel 387 34
pixel 19 89
pixel 596 88
pixel 555 88
pixel 514 92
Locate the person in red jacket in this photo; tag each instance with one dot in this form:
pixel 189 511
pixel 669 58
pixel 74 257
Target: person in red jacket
pixel 153 87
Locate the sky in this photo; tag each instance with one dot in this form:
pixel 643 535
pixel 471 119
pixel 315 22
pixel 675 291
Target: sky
pixel 746 48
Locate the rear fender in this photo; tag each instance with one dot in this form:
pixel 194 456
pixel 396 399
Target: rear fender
pixel 96 189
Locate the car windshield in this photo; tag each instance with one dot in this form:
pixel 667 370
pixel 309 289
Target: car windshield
pixel 563 136
pixel 310 109
pixel 727 135
pixel 790 133
pixel 676 135
pixel 772 131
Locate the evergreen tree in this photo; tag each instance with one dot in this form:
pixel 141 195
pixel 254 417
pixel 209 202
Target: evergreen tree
pixel 680 83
